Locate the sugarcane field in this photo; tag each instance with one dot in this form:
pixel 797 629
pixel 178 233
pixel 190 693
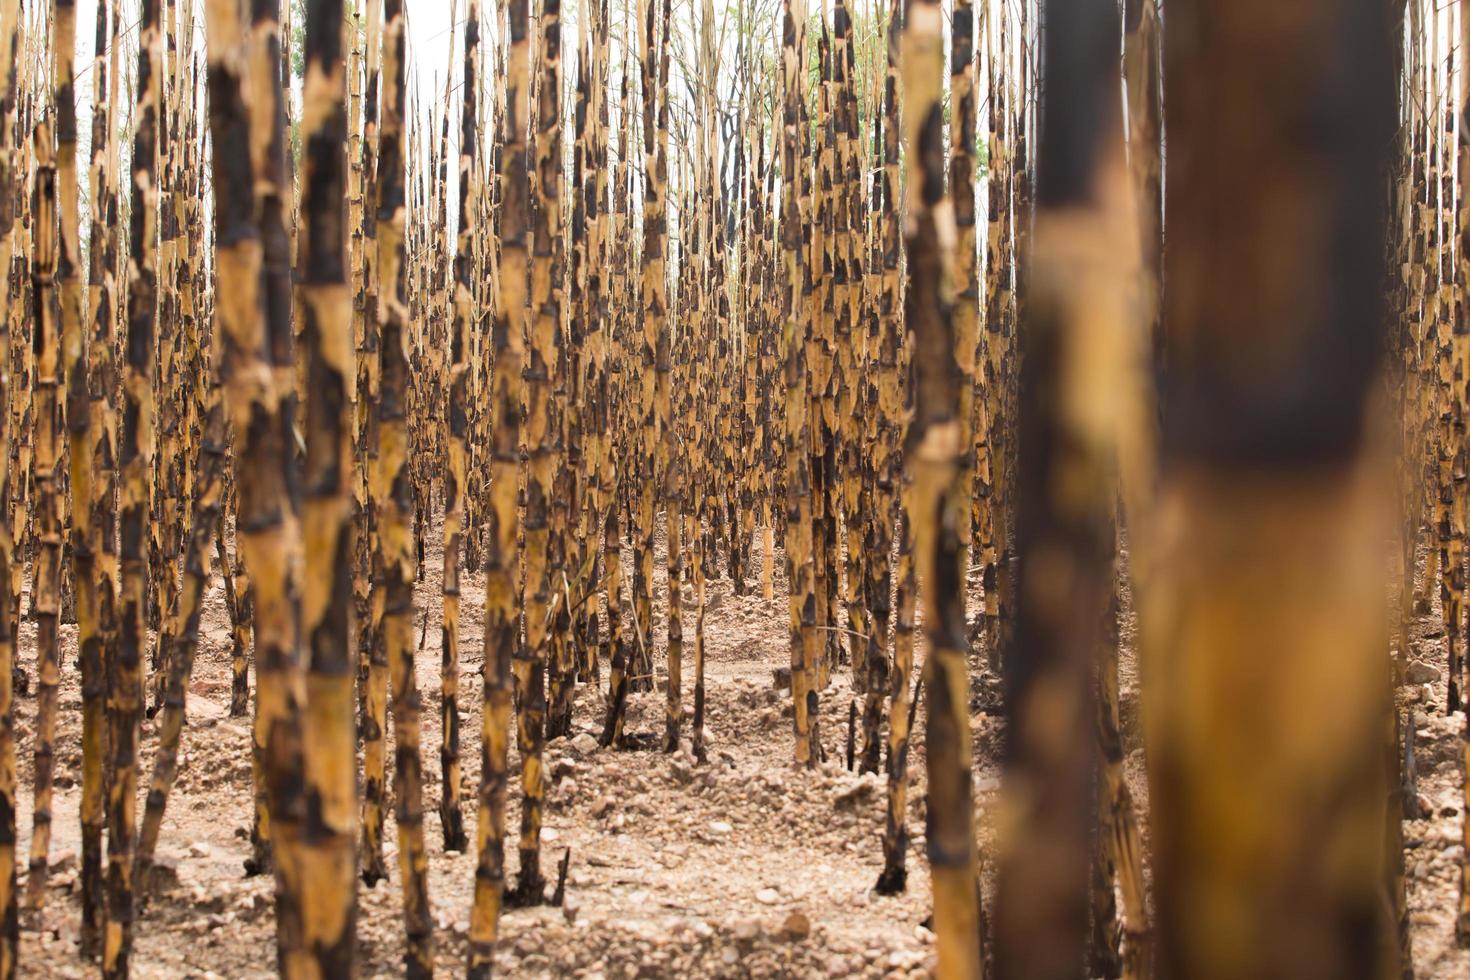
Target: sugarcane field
pixel 649 489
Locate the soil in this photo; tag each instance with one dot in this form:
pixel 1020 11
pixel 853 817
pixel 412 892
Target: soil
pixel 742 866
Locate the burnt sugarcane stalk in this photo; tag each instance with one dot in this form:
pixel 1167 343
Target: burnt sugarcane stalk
pixel 9 904
pixel 46 469
pixel 329 879
pixel 135 452
pixel 933 447
pixel 397 551
pixel 456 411
pixel 501 556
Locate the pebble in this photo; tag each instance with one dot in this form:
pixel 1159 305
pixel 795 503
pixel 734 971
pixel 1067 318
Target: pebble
pixel 584 744
pixel 569 909
pixel 720 827
pixel 550 834
pixel 1419 672
pixel 746 929
pixel 199 849
pixel 767 896
pixel 797 926
pixel 603 806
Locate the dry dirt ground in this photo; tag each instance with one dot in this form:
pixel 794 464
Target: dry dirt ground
pixel 742 867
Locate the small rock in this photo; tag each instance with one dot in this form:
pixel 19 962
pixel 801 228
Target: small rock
pixel 746 929
pixel 550 834
pixel 1425 807
pixel 568 788
pixel 584 744
pixel 602 806
pixel 797 926
pixel 838 966
pixel 569 909
pixel 720 827
pixel 702 929
pixel 1419 672
pixel 767 896
pixel 199 849
pixel 563 767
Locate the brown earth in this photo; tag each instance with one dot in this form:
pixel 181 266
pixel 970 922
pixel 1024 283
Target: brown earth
pixel 742 867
